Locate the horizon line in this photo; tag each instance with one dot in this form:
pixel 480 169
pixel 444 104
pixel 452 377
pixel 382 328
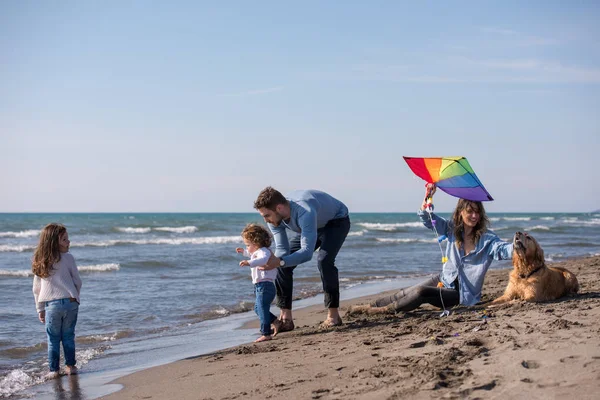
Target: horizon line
pixel 255 212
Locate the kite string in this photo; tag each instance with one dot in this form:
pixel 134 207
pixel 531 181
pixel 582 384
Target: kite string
pixel 439 239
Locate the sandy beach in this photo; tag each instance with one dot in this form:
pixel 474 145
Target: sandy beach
pixel 545 350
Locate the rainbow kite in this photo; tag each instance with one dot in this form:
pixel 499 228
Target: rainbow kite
pixel 453 175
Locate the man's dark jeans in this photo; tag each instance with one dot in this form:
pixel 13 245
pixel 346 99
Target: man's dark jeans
pixel 330 239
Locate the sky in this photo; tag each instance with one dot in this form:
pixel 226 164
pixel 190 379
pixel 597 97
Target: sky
pixel 187 106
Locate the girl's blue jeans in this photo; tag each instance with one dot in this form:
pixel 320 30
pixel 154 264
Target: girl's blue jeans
pixel 265 293
pixel 61 317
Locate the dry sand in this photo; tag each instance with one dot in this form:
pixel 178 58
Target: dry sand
pixel 546 350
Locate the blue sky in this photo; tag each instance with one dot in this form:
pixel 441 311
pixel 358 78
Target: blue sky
pixel 196 106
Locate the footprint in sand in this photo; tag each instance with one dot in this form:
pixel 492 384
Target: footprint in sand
pixel 569 359
pixel 530 364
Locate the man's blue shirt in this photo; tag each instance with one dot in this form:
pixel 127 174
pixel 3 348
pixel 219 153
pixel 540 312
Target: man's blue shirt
pixel 309 210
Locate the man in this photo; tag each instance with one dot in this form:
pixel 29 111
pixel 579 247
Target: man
pixel 320 221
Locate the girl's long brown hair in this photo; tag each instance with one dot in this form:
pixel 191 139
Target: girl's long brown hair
pixel 47 252
pixel 459 227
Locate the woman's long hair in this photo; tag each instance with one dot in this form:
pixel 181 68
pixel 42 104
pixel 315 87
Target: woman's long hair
pixel 47 252
pixel 459 227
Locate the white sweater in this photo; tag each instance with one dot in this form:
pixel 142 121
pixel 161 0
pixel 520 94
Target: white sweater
pixel 64 282
pixel 257 259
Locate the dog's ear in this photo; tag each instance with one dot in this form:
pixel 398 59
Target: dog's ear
pixel 539 253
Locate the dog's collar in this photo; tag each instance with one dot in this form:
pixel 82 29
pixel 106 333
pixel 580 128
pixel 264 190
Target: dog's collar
pixel 523 276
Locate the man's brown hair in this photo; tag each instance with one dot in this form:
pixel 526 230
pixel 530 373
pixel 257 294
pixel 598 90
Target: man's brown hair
pixel 269 198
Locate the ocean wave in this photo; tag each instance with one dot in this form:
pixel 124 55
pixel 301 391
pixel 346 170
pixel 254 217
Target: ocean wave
pixel 358 233
pixel 220 312
pixel 20 379
pixel 21 234
pixel 147 229
pixel 578 222
pixel 547 218
pixel 5 248
pixel 576 244
pixel 181 229
pixel 377 226
pixel 24 273
pixel 19 352
pixel 516 218
pixel 539 228
pixel 164 241
pixel 110 337
pixel 16 381
pixel 99 267
pixel 553 257
pixel 405 240
pixel 130 229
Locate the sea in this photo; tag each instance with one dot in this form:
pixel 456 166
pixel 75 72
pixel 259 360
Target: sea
pixel 162 287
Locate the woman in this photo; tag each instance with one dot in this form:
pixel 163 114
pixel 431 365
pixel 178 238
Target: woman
pixel 470 251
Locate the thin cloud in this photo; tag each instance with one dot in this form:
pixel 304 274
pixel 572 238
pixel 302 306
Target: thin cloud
pixel 520 39
pixel 254 92
pixel 465 70
pixel 546 71
pixel 498 31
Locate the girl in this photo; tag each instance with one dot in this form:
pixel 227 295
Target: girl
pixel 470 251
pixel 56 287
pixel 257 240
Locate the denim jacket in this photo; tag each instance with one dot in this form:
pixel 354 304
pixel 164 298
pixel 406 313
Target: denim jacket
pixel 470 269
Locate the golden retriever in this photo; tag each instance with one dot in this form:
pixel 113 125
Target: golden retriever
pixel 531 279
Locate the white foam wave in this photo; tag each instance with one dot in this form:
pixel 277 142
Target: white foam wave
pixel 20 234
pixel 404 240
pixel 24 273
pixel 495 219
pixel 165 241
pixel 114 242
pixel 539 228
pixel 547 218
pixel 358 233
pixel 553 257
pixel 16 381
pixel 99 267
pixel 97 338
pixel 377 226
pixel 84 356
pixel 577 222
pixel 516 218
pixel 181 229
pixel 130 229
pixel 21 273
pixel 16 248
pixel 221 311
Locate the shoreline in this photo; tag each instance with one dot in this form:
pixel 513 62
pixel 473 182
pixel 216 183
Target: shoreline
pixel 537 350
pixel 223 333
